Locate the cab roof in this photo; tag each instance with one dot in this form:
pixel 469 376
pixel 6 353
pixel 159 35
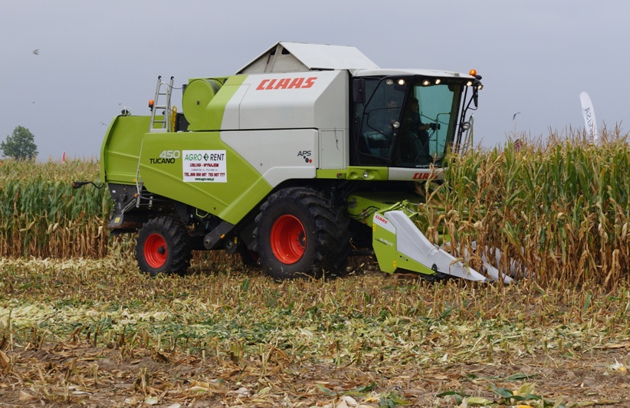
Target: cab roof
pixel 409 72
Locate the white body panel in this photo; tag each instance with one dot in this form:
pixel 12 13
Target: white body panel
pixel 231 115
pixel 277 154
pixel 291 101
pixel 416 174
pixel 334 145
pixel 413 244
pixel 286 104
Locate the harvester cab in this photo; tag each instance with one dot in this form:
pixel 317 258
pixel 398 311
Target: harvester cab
pixel 408 119
pixel 307 153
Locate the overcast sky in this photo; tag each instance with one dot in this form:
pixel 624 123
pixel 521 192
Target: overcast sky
pixel 96 57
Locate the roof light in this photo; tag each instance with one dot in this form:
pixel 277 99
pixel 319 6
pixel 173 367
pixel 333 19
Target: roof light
pixel 437 81
pixel 389 82
pixel 401 82
pixel 426 82
pixel 469 83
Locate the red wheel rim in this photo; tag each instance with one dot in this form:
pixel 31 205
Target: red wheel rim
pixel 288 239
pixel 155 251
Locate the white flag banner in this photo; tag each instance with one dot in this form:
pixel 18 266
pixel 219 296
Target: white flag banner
pixel 589 116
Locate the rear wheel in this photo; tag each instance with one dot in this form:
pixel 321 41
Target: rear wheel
pixel 163 245
pixel 298 231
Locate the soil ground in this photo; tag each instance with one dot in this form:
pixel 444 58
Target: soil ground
pixel 76 374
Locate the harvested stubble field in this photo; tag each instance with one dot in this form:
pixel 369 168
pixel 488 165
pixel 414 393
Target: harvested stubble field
pixel 100 333
pixel 81 326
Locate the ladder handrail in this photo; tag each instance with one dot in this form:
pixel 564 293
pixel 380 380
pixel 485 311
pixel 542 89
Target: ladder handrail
pixel 166 122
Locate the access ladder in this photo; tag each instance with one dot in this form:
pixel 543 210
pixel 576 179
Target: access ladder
pixel 158 125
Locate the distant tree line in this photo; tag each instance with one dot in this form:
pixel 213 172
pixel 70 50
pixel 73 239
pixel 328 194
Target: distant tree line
pixel 20 145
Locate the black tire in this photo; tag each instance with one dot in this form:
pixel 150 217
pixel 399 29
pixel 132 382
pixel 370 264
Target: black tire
pixel 163 246
pixel 249 258
pixel 299 232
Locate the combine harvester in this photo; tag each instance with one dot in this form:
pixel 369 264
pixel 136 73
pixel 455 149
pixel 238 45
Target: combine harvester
pixel 304 150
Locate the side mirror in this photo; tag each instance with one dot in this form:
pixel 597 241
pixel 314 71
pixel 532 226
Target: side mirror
pixel 477 85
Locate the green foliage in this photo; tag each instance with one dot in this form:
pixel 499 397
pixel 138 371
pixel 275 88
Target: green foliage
pixel 42 215
pixel 20 145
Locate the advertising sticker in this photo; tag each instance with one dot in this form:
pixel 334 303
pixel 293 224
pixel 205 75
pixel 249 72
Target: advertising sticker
pixel 205 166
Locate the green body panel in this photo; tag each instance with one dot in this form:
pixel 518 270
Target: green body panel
pixel 121 149
pixel 242 189
pixel 161 168
pixel 363 205
pixel 355 173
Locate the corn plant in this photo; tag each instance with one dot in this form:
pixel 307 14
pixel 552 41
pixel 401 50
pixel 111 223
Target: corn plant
pixel 42 216
pixel 559 209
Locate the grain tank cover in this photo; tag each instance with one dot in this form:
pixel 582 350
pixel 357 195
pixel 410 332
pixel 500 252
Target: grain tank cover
pixel 199 93
pixel 302 57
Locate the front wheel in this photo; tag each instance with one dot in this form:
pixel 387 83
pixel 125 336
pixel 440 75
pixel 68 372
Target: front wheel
pixel 163 246
pixel 299 231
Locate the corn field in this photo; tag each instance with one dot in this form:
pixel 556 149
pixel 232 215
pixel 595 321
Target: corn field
pixel 42 216
pixel 556 209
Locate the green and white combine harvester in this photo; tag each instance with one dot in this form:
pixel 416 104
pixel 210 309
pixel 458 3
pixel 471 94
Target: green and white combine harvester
pixel 306 154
